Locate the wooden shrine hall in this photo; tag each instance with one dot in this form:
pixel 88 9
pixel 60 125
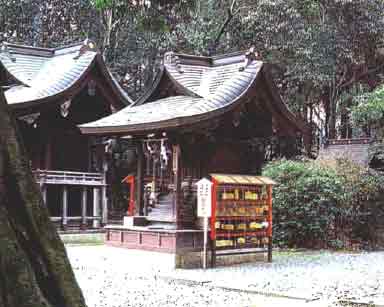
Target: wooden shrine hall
pixel 201 116
pixel 50 92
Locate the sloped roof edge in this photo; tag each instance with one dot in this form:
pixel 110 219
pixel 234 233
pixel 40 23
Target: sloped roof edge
pixel 173 67
pixel 49 53
pixel 72 90
pixel 172 122
pixel 281 106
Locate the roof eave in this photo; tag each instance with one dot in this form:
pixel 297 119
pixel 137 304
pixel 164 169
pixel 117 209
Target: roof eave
pixel 174 122
pixel 282 107
pixel 123 97
pixel 67 93
pixel 143 98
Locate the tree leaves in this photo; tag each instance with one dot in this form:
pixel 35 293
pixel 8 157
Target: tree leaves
pixel 313 198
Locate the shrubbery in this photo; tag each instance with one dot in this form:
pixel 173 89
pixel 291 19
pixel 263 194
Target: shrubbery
pixel 370 109
pixel 321 203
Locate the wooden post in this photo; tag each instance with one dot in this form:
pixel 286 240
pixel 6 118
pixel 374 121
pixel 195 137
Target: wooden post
pixel 177 182
pixel 270 249
pixel 84 208
pixel 140 179
pixel 146 203
pixel 269 193
pixel 65 208
pixel 213 221
pixel 104 204
pixel 213 254
pixel 43 189
pixel 96 207
pixel 130 180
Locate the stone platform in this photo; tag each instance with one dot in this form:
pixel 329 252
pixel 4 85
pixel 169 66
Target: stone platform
pixel 160 240
pixel 185 245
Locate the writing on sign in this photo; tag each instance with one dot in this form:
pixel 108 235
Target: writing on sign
pixel 204 198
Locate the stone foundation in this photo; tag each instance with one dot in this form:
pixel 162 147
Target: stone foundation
pixel 161 240
pixel 186 245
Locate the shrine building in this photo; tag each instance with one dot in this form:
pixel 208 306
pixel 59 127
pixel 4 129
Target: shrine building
pixel 202 115
pixel 50 92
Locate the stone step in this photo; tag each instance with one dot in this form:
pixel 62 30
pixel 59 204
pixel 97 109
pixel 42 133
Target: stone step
pixel 161 218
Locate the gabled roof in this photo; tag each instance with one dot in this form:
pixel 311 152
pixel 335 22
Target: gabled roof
pixel 206 87
pixel 49 74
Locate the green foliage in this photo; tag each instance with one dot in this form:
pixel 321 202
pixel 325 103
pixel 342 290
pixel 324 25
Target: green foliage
pixel 318 50
pixel 306 201
pixel 370 109
pixel 311 199
pixel 102 4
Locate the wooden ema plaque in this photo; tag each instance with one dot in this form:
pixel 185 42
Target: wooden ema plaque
pixel 241 219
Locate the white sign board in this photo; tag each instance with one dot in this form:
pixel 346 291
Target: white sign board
pixel 204 198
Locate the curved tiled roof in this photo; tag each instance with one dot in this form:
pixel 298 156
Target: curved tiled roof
pixel 23 67
pixel 45 73
pixel 204 80
pixel 215 90
pixel 205 87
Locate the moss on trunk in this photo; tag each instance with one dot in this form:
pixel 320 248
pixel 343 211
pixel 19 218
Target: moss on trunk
pixel 34 267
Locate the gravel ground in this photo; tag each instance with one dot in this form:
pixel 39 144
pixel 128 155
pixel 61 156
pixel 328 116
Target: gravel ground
pixel 313 275
pixel 116 277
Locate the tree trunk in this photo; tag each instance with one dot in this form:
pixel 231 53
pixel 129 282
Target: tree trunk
pixel 34 267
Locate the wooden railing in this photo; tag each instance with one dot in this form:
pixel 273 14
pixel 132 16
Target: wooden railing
pixel 69 178
pixel 353 141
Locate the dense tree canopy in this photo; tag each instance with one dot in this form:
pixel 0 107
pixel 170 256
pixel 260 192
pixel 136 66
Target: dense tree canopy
pixel 322 52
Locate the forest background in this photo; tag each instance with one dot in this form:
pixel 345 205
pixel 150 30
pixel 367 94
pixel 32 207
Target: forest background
pixel 322 53
pixel 326 56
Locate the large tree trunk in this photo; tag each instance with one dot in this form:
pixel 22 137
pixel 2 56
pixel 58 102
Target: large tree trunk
pixel 34 268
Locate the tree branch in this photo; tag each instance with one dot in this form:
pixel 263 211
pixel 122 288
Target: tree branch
pixel 225 24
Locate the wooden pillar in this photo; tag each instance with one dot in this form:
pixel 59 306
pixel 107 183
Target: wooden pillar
pixel 269 249
pixel 43 189
pixel 96 207
pixel 64 216
pixel 146 204
pixel 176 161
pixel 84 208
pixel 104 205
pixel 140 180
pixel 269 193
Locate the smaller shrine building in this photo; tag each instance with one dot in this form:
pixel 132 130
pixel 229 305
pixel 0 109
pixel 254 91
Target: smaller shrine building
pixel 50 92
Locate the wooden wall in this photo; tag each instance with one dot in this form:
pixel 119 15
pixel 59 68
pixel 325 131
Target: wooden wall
pixel 55 142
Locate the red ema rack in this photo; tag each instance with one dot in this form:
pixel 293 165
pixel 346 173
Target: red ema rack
pixel 241 214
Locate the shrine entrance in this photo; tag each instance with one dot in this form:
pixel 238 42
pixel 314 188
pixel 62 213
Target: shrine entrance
pixel 158 182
